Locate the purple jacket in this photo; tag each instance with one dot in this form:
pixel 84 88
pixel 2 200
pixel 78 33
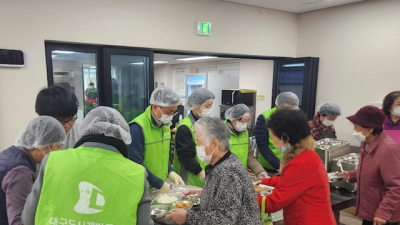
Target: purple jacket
pixel 378 180
pixel 388 125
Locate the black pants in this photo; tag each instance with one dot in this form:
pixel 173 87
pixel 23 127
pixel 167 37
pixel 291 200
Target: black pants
pixel 366 222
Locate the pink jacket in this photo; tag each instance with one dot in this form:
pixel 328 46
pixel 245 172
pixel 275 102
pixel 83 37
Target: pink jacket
pixel 378 180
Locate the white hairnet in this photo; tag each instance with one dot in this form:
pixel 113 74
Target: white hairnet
pixel 164 96
pixel 198 98
pixel 329 109
pixel 107 121
pixel 286 98
pixel 41 132
pixel 236 112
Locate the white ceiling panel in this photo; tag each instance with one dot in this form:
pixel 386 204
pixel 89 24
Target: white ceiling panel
pixel 294 6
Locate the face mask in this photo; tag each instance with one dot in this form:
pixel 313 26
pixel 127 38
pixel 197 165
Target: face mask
pixel 360 137
pixel 165 119
pixel 396 111
pixel 201 153
pixel 284 148
pixel 48 152
pixel 327 122
pixel 205 112
pixel 240 127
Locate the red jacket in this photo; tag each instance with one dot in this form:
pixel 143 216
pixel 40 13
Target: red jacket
pixel 302 191
pixel 378 180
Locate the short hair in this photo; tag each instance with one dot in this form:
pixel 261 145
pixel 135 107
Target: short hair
pixel 214 127
pixel 56 102
pixel 292 123
pixel 388 101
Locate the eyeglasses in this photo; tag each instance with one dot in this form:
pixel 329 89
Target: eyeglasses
pixel 175 113
pixel 70 121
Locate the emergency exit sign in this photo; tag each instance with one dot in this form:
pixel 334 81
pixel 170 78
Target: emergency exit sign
pixel 203 28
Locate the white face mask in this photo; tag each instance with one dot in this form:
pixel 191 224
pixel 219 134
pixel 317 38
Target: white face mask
pixel 240 127
pixel 360 137
pixel 327 122
pixel 396 111
pixel 205 113
pixel 201 153
pixel 165 119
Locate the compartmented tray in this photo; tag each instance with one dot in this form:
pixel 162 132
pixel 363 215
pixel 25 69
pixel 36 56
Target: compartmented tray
pixel 262 189
pixel 159 209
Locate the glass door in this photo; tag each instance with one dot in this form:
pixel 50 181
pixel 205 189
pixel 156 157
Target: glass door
pixel 130 79
pixel 297 75
pixel 75 69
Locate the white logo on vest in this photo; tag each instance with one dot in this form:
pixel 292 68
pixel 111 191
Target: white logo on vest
pixel 91 200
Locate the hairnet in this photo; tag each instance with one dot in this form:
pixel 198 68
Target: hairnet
pixel 164 96
pixel 214 127
pixel 286 98
pixel 107 121
pixel 41 132
pixel 329 109
pixel 236 112
pixel 198 98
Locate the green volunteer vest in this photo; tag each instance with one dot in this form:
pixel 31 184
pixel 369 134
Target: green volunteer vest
pixel 90 185
pixel 240 145
pixel 192 178
pixel 267 114
pixel 92 93
pixel 156 145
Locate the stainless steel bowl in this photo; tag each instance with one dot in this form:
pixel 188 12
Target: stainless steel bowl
pixel 334 177
pixel 159 211
pixel 191 197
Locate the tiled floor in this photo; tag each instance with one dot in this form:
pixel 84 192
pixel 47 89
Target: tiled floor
pixel 349 219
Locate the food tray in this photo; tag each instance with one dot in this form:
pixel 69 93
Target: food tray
pixel 334 177
pixel 262 189
pixel 159 210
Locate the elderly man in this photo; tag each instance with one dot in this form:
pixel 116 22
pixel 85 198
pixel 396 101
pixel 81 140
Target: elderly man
pixel 322 124
pixel 17 164
pixel 237 119
pixel 186 161
pixel 151 137
pixel 228 196
pixel 94 183
pixel 270 156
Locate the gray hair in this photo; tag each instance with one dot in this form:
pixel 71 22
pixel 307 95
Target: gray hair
pixel 214 127
pixel 287 99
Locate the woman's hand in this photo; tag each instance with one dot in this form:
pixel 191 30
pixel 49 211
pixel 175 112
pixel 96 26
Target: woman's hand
pixel 193 191
pixel 345 174
pixel 262 175
pixel 379 221
pixel 177 216
pixel 202 174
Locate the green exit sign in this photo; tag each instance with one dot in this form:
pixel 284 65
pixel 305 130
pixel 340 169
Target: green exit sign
pixel 203 28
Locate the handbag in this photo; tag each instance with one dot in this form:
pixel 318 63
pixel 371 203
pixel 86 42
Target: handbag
pixel 268 220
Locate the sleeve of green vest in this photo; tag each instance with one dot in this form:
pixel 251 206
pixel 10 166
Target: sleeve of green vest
pixel 143 211
pixel 136 154
pixel 262 138
pixel 32 201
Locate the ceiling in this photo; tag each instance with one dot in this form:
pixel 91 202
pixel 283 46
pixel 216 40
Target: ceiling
pixel 171 58
pixel 294 6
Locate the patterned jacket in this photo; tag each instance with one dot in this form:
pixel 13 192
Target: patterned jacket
pixel 317 126
pixel 228 196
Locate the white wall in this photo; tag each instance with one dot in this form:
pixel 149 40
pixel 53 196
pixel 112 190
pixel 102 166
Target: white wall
pixel 358 46
pixel 163 73
pixel 25 25
pixel 258 75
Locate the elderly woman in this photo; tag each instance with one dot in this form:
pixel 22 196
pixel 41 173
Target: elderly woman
pixel 186 163
pixel 391 108
pixel 17 164
pixel 228 196
pixel 237 119
pixel 322 124
pixel 377 174
pixel 95 183
pixel 302 190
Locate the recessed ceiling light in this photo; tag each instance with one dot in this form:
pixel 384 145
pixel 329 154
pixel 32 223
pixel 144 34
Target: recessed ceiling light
pixel 197 58
pixel 294 65
pixel 63 52
pixel 137 63
pixel 53 56
pixel 93 67
pixel 160 62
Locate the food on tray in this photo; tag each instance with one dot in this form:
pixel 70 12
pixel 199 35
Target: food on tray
pixel 257 188
pixel 181 205
pixel 165 199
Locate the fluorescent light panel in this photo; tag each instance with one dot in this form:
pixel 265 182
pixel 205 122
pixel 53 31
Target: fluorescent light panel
pixel 137 63
pixel 197 58
pixel 294 65
pixel 160 62
pixel 63 52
